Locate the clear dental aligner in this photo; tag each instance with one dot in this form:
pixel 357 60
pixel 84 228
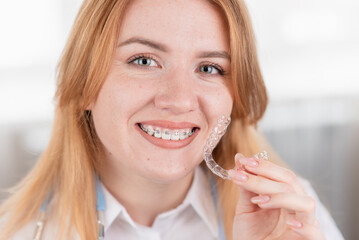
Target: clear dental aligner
pixel 218 131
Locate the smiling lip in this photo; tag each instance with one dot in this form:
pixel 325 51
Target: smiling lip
pixel 169 125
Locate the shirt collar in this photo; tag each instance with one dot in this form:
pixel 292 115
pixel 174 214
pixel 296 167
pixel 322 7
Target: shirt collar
pixel 199 197
pixel 114 209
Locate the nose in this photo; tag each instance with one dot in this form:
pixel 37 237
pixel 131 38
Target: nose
pixel 177 93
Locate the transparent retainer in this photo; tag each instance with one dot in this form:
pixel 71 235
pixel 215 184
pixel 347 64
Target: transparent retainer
pixel 218 131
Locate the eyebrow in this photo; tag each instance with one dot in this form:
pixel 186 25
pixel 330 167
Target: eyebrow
pixel 163 48
pixel 146 42
pixel 214 54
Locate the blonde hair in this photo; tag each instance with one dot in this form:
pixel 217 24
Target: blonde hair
pixel 68 165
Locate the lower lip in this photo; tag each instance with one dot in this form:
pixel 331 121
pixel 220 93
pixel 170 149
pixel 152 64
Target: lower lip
pixel 167 143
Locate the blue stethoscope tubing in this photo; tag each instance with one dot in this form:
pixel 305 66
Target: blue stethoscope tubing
pixel 100 209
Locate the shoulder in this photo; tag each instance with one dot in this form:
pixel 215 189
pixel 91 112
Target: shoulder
pixel 327 224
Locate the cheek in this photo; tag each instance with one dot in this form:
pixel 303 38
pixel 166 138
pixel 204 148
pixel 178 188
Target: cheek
pixel 123 96
pixel 217 102
pixel 119 98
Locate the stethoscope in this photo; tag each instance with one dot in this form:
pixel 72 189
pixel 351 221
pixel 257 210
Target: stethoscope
pixel 100 209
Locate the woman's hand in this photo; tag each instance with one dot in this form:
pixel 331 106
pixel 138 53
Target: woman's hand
pixel 272 203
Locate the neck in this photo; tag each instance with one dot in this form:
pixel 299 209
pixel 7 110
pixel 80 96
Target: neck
pixel 144 200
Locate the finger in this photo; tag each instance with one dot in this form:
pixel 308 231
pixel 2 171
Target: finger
pixel 270 170
pixel 244 204
pixel 258 184
pixel 303 206
pixel 307 231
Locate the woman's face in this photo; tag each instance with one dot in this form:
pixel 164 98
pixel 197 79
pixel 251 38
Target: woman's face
pixel 169 77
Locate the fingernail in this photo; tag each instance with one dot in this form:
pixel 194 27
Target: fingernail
pixel 294 224
pixel 260 199
pixel 238 166
pixel 238 156
pixel 238 175
pixel 250 162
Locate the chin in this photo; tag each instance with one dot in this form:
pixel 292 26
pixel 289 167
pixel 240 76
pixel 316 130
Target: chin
pixel 166 174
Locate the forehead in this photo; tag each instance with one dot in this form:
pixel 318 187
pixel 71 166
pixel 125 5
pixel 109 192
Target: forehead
pixel 176 23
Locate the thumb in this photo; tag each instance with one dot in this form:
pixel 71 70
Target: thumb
pixel 244 204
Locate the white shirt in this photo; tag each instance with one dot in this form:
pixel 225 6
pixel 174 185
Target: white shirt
pixel 195 218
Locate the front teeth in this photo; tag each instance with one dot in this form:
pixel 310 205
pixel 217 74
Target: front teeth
pixel 167 134
pixel 158 133
pixel 175 135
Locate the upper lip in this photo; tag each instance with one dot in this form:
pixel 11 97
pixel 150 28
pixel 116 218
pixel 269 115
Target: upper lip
pixel 169 124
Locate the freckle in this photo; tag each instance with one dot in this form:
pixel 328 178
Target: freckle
pixel 148 159
pixel 140 86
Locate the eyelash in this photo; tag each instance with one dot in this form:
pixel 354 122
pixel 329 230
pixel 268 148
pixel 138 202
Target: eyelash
pixel 136 57
pixel 217 67
pixel 220 70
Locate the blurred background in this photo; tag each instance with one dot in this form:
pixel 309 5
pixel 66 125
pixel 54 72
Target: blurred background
pixel 309 53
